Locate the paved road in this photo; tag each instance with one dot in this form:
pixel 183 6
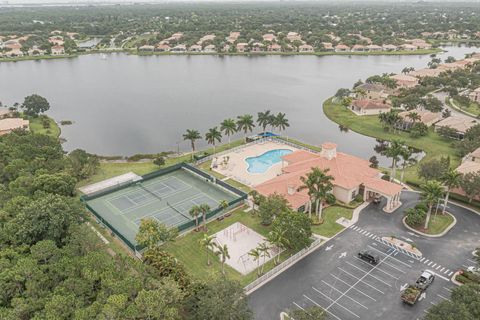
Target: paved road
pixel 442 95
pixel 349 288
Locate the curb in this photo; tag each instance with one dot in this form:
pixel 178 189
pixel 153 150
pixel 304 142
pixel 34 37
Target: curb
pixel 431 235
pixel 455 282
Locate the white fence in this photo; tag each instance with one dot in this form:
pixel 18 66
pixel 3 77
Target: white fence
pixel 282 266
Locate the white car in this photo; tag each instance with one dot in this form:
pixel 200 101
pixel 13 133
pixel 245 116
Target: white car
pixel 473 269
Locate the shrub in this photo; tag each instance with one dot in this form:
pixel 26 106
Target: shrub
pixel 160 161
pixel 414 216
pixel 331 199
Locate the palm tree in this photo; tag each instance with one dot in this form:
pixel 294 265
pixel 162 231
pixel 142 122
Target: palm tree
pixel 204 209
pixel 278 240
pixel 194 212
pixel 264 119
pixel 407 160
pixel 281 122
pixel 212 136
pixel 223 204
pixel 192 135
pixel 229 128
pixel 224 255
pixel 432 191
pixel 245 124
pixel 309 184
pixel 263 249
pixel 451 179
pixel 208 243
pixel 394 150
pixel 414 116
pixel 320 186
pixel 256 257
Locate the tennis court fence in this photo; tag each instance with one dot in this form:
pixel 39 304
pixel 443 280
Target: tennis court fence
pixel 242 196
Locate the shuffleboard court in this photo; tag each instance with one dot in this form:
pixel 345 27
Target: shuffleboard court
pixel 167 198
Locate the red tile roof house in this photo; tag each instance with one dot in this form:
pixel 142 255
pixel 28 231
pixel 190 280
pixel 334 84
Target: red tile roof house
pixel 305 48
pixel 242 47
pixel 342 48
pixel 358 48
pixel 352 176
pixel 162 47
pixel 274 48
pixel 269 37
pixel 368 107
pixel 405 81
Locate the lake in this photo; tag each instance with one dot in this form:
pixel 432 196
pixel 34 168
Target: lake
pixel 127 104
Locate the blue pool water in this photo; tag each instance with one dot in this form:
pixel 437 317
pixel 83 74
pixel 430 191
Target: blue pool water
pixel 263 162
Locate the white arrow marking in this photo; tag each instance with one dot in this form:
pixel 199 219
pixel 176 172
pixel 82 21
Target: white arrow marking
pixel 422 296
pixel 404 287
pixel 329 248
pixel 342 255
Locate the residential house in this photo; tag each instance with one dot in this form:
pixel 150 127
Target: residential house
pixel 358 48
pixel 226 47
pixel 426 72
pixel 234 35
pixel 162 47
pixel 372 91
pixel 5 113
pixel 9 124
pixel 258 47
pixel 352 176
pixel 475 95
pixel 208 37
pixel 373 48
pixel 14 50
pixel 145 48
pixel 305 48
pixel 470 164
pixel 342 48
pixel 408 47
pixel 426 117
pixel 180 48
pixel 274 48
pixel 294 36
pixel 270 37
pixel 195 48
pixel 35 51
pixel 459 123
pixel 389 47
pixel 242 47
pixel 210 48
pixel 327 46
pixel 175 37
pixel 367 107
pixel 56 40
pixel 405 81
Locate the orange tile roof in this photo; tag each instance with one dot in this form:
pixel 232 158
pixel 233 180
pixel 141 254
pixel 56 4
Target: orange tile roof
pixel 348 172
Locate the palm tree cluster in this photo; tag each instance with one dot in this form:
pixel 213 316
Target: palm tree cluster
pixel 319 186
pixel 275 240
pixel 244 123
pixel 209 244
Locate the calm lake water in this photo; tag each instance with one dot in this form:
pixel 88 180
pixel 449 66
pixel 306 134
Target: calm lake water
pixel 129 104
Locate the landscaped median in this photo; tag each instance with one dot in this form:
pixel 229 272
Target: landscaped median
pixel 439 224
pixel 432 144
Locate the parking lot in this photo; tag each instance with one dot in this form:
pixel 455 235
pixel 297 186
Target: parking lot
pixel 347 287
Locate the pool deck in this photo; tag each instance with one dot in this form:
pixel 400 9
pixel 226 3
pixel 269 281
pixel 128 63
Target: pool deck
pixel 237 166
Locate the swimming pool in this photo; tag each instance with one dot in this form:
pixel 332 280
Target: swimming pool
pixel 263 162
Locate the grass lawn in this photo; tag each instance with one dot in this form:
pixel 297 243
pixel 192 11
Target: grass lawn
pixel 473 108
pixel 329 227
pixel 187 249
pixel 36 126
pixel 433 145
pixel 437 224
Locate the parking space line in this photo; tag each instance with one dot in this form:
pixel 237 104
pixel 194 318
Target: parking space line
pixel 367 234
pixel 368 284
pixel 396 278
pixel 429 263
pixel 443 268
pixel 355 227
pixel 298 306
pixel 444 298
pixel 329 312
pixel 389 255
pixel 358 281
pixel 366 295
pixel 450 274
pixel 425 262
pixel 449 290
pixel 341 292
pixel 422 259
pixel 394 267
pixel 438 267
pixel 446 271
pixel 472 261
pixel 338 304
pixel 433 266
pixel 432 303
pixel 371 275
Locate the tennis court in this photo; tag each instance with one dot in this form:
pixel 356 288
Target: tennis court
pixel 167 198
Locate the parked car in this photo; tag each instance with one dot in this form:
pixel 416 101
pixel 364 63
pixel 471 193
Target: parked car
pixel 473 269
pixel 377 199
pixel 369 256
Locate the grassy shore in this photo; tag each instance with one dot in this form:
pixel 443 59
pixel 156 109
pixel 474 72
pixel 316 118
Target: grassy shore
pixel 432 144
pixel 44 57
pixel 36 126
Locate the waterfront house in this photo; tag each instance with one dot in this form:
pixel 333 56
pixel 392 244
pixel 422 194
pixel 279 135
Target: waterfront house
pixel 294 36
pixel 358 48
pixel 226 48
pixel 342 48
pixel 274 48
pixel 175 37
pixel 372 91
pixel 258 47
pixel 233 36
pixel 305 48
pixel 195 48
pixel 58 50
pixel 270 37
pixel 426 72
pixel 146 48
pixel 179 48
pixel 352 177
pixel 56 40
pixel 9 124
pixel 459 123
pixel 210 49
pixel 242 47
pixel 405 81
pixel 408 47
pixel 475 95
pixel 208 37
pixel 162 47
pixel 35 51
pixel 367 107
pixel 373 48
pixel 389 47
pixel 327 46
pixel 426 117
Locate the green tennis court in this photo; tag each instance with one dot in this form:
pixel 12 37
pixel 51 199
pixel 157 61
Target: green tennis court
pixel 167 198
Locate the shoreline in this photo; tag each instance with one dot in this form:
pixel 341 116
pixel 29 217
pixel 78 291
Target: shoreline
pixel 246 54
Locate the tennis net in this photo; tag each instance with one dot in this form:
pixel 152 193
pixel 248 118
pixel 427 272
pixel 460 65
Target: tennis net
pixel 178 211
pixel 151 192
